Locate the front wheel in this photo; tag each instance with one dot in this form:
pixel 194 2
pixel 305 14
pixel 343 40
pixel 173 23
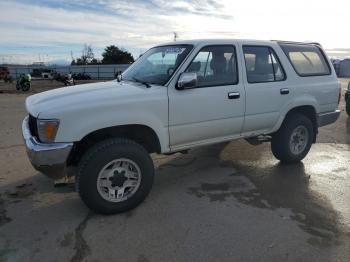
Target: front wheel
pixel 293 140
pixel 114 176
pixel 25 86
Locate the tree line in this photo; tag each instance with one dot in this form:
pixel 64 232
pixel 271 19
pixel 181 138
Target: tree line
pixel 111 55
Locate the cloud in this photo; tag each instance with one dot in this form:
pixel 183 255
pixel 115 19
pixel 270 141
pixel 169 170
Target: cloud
pixel 61 26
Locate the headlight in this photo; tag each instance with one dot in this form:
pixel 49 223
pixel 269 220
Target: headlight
pixel 47 129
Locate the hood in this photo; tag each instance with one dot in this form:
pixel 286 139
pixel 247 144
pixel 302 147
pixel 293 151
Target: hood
pixel 46 104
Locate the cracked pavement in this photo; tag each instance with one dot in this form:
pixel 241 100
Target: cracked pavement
pixel 226 202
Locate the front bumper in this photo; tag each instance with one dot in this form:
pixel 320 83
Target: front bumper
pixel 50 159
pixel 327 118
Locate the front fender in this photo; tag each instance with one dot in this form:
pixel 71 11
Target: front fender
pixel 76 124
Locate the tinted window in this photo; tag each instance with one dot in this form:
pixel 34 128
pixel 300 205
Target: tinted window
pixel 215 65
pixel 307 60
pixel 262 65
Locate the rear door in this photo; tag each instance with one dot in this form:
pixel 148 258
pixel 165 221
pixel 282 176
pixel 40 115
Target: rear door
pixel 266 87
pixel 214 109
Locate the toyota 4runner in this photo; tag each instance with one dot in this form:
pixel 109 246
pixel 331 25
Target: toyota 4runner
pixel 178 96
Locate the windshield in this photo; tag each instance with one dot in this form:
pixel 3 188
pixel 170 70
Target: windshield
pixel 157 65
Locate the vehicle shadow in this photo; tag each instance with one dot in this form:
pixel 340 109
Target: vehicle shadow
pixel 271 185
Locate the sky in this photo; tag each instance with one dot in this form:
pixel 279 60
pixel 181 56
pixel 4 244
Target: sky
pixel 52 31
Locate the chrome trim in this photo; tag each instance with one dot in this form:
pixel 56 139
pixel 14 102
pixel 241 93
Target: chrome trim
pixel 187 80
pixel 324 119
pixel 49 158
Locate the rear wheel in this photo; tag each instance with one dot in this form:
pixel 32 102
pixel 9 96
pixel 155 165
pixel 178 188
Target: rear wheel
pixel 293 140
pixel 114 176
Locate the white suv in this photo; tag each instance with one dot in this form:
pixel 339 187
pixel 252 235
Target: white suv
pixel 178 96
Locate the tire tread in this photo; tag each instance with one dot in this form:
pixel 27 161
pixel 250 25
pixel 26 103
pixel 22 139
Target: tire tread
pixel 89 155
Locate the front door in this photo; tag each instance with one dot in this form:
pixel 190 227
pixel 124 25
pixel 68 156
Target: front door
pixel 214 109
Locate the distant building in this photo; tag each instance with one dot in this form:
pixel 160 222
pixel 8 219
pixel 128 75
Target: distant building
pixel 335 63
pixel 38 64
pixel 343 68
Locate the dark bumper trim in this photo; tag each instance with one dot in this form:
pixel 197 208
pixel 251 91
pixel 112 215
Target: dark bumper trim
pixel 324 119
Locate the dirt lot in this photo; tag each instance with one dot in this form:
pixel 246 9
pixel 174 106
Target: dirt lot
pixel 37 86
pixel 228 202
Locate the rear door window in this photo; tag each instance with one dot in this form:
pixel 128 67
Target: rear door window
pixel 307 60
pixel 262 65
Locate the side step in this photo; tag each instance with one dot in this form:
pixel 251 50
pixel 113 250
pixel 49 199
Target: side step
pixel 258 140
pixel 182 152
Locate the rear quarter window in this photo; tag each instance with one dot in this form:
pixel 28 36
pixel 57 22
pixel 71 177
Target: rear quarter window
pixel 307 60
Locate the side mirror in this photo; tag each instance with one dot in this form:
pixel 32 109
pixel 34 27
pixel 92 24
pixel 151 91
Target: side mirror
pixel 186 81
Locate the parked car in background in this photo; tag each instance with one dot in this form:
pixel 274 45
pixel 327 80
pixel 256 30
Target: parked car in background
pixel 5 74
pixel 347 100
pixel 47 73
pixel 175 97
pixel 66 79
pixel 43 73
pixel 81 76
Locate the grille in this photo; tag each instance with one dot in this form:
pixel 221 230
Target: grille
pixel 33 126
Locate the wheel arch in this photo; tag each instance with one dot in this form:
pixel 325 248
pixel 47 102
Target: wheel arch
pixel 141 134
pixel 307 110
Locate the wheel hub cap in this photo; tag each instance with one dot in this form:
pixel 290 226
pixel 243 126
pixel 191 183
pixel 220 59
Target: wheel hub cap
pixel 299 140
pixel 119 180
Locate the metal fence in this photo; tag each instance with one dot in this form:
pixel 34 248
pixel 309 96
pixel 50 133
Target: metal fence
pixel 94 71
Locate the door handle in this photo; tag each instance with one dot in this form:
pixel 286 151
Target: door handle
pixel 233 95
pixel 284 91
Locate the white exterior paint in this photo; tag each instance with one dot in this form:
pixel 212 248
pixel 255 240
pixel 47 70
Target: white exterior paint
pixel 186 118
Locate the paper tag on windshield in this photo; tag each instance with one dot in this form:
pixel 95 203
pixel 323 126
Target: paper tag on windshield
pixel 174 50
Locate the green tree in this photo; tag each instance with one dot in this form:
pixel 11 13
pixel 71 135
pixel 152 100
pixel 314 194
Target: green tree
pixel 114 55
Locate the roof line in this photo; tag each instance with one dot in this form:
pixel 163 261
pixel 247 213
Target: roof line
pixel 297 43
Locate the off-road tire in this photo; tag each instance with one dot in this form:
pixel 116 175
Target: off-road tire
pixel 96 158
pixel 280 143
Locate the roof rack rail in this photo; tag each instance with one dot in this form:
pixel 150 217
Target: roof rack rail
pixel 296 43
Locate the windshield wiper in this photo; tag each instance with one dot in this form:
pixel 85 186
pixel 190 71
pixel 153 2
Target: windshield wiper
pixel 148 85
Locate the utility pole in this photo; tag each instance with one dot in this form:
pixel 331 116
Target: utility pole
pixel 175 36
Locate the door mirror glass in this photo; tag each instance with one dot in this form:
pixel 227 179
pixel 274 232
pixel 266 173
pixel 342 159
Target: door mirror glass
pixel 186 81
